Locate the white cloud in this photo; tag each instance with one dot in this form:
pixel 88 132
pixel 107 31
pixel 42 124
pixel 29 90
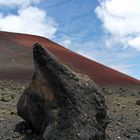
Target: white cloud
pixel 66 43
pixel 86 54
pixel 121 19
pixel 30 20
pixel 22 3
pixel 135 42
pixel 124 68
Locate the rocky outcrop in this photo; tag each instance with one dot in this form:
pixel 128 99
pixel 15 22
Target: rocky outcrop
pixel 62 104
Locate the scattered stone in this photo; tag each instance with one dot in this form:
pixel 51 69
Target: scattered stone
pixel 118 104
pixel 118 137
pixel 13 60
pixel 107 91
pixel 123 106
pixel 1 119
pixel 127 135
pixel 137 114
pixel 13 112
pixel 138 102
pixel 118 123
pixel 13 96
pixel 15 135
pixel 138 129
pixel 6 98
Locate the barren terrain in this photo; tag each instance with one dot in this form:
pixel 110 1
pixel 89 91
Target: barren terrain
pixel 17 63
pixel 122 109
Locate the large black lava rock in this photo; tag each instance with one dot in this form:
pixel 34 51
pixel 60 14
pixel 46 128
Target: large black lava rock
pixel 62 104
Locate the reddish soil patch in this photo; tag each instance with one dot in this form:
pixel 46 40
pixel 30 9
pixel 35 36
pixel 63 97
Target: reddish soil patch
pixel 16 56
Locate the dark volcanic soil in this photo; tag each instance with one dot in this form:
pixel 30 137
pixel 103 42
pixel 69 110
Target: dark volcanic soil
pixel 122 109
pixel 124 114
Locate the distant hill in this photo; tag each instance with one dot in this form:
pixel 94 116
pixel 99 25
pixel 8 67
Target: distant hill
pixel 16 61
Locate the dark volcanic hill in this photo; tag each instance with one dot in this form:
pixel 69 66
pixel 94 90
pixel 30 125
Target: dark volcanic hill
pixel 16 61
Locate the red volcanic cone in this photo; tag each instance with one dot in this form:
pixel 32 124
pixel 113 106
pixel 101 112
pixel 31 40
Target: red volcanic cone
pixel 16 61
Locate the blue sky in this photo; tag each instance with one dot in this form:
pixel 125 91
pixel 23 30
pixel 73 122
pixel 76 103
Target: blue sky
pixel 106 31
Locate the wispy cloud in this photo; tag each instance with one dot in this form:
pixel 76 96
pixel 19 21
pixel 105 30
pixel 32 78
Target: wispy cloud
pixel 122 60
pixel 125 68
pixel 111 59
pixel 65 42
pixel 86 54
pixel 121 19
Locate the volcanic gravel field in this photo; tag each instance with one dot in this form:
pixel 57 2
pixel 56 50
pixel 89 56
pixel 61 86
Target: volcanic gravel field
pixel 123 111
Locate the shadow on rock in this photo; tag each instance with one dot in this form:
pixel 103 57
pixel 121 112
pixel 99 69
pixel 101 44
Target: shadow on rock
pixel 27 131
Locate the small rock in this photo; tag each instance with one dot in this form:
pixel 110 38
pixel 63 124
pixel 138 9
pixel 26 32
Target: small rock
pixel 23 88
pixel 137 114
pixel 12 96
pixel 118 104
pixel 118 137
pixel 138 102
pixel 6 98
pixel 13 113
pixel 138 129
pixel 13 60
pixel 15 135
pixel 132 94
pixel 87 84
pixel 1 119
pixel 114 111
pixel 78 134
pixel 127 135
pixel 123 106
pixel 118 123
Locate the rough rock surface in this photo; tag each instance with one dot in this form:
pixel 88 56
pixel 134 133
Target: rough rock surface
pixel 62 104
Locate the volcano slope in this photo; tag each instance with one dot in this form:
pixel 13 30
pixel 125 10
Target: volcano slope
pixel 16 61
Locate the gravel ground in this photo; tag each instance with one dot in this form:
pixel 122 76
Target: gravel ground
pixel 123 109
pixel 124 115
